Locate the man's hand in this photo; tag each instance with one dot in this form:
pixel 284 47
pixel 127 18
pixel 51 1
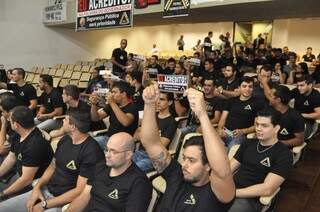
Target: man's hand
pixel 37 208
pixel 109 98
pixel 237 132
pixel 151 94
pixel 222 133
pixel 35 196
pixel 263 79
pixel 42 117
pixel 4 121
pixel 94 98
pixel 196 101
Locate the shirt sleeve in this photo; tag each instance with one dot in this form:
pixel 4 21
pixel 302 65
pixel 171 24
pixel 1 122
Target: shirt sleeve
pixel 316 99
pixel 172 174
pixel 283 163
pixel 139 196
pixel 298 123
pixel 170 130
pixel 57 100
pixel 114 53
pixel 31 92
pixel 227 104
pixel 241 151
pixel 34 156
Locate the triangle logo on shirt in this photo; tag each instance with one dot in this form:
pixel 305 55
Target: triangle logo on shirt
pixel 266 162
pixel 284 131
pixel 20 157
pixel 306 103
pixel 114 194
pixel 21 94
pixel 190 201
pixel 248 107
pixel 71 165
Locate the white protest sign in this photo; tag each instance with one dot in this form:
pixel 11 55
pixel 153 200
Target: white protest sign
pixel 195 61
pixel 173 83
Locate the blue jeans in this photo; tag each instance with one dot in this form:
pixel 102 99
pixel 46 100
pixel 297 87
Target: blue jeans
pixel 246 205
pixel 102 140
pixel 48 125
pixel 189 129
pixel 142 160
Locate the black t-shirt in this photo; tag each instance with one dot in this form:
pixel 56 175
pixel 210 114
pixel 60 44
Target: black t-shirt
pixel 242 113
pixel 121 57
pixel 52 100
pixel 167 127
pixel 308 58
pixel 73 160
pixel 258 92
pixel 33 151
pixel 207 40
pixel 291 122
pixel 24 93
pixel 181 196
pixel 155 67
pixel 130 191
pixel 137 99
pixel 166 71
pixel 255 166
pixel 116 126
pixel 212 105
pixel 12 136
pixel 230 86
pixel 306 103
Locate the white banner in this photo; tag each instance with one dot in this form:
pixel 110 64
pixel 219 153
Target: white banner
pixel 55 13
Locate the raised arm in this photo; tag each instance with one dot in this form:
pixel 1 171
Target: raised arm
pixel 221 176
pixel 150 137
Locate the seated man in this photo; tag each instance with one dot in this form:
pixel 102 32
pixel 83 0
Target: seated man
pixel 238 114
pixel 260 165
pixel 29 151
pixel 167 128
pixel 65 178
pixel 136 83
pixel 291 131
pixel 22 90
pixel 51 105
pixel 203 182
pixel 118 184
pixel 122 112
pixel 152 69
pixel 229 85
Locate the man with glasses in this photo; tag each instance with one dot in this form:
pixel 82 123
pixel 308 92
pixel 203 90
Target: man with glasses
pixel 74 162
pixel 118 185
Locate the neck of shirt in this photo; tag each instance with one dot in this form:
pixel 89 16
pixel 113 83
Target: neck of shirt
pixel 115 172
pixel 24 133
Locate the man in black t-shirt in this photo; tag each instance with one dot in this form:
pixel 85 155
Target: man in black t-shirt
pixel 73 163
pixel 200 183
pixel 51 105
pixel 31 153
pixel 118 184
pixel 207 45
pixel 136 83
pixel 167 128
pixel 171 65
pixel 228 86
pixel 309 57
pixel 238 114
pixel 119 59
pixel 22 90
pixel 123 114
pixel 210 72
pixel 153 68
pixel 260 165
pixel 291 131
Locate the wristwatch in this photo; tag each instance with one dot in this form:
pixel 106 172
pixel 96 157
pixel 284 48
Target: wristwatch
pixel 44 204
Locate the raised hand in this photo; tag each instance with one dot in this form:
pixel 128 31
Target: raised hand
pixel 151 94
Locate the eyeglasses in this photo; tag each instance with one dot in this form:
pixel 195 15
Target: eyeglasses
pixel 113 152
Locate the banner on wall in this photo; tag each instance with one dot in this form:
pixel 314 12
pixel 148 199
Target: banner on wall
pixel 176 8
pixel 56 12
pixel 92 14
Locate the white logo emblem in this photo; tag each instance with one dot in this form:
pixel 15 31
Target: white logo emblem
pixel 121 57
pixel 71 165
pixel 21 94
pixel 266 162
pixel 20 157
pixel 284 131
pixel 248 107
pixel 191 200
pixel 306 103
pixel 114 194
pixel 49 100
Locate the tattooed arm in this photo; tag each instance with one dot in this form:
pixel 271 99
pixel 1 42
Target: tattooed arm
pixel 150 138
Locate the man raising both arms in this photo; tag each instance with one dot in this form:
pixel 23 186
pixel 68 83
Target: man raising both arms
pixel 203 181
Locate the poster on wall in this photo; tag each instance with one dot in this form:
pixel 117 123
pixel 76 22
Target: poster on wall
pixel 92 14
pixel 176 8
pixel 140 4
pixel 55 12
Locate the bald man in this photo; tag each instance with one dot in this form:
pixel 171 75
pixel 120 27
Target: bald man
pixel 118 185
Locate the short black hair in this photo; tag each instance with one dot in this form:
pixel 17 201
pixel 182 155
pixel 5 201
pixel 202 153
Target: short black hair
pixel 197 53
pixel 124 87
pixel 80 120
pixel 309 48
pixel 73 91
pixel 267 68
pixel 210 33
pixel 232 66
pixel 209 60
pixel 171 60
pixel 20 71
pixel 197 141
pixel 155 57
pixel 170 96
pixel 246 79
pixel 307 78
pixel 304 67
pixel 10 102
pixel 47 79
pixel 136 75
pixel 272 114
pixel 23 116
pixel 283 93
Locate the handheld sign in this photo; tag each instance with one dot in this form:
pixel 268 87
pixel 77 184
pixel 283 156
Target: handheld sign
pixel 195 61
pixel 173 83
pixel 101 91
pixel 152 71
pixel 139 58
pixel 208 44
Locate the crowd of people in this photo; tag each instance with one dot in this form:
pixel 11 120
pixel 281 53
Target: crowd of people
pixel 233 91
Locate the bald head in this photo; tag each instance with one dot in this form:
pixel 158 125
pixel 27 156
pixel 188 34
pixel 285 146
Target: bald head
pixel 123 141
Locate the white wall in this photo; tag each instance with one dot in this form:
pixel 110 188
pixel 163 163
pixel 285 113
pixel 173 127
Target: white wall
pixel 297 34
pixel 24 41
